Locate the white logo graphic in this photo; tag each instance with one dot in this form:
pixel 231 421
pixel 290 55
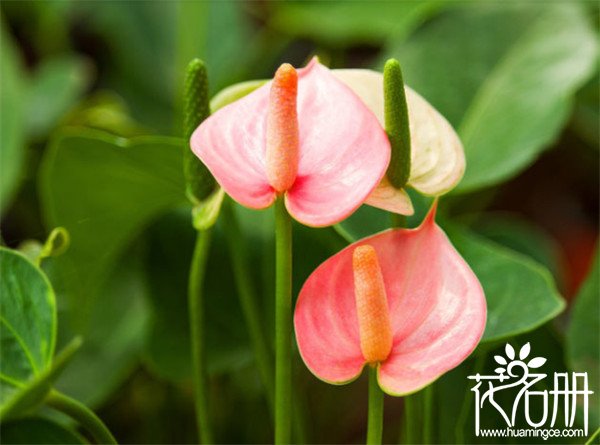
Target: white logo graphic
pixel 522 372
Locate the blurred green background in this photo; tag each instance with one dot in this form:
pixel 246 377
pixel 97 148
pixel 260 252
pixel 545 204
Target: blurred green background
pixel 90 140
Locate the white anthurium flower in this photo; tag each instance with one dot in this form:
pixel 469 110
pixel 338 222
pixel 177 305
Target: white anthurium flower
pixel 437 154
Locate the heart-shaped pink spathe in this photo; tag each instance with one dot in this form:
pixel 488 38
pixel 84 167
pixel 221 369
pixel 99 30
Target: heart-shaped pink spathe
pixel 343 150
pixel 437 311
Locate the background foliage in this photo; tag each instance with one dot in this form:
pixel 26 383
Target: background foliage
pixel 90 140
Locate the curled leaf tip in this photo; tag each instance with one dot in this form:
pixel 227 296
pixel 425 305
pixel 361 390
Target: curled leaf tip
pixel 371 305
pixel 396 124
pixel 282 129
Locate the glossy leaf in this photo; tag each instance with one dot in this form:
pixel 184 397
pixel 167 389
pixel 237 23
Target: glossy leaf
pixel 583 341
pixel 521 294
pixel 522 236
pixel 526 58
pixel 105 190
pixel 28 324
pixel 38 430
pixel 28 335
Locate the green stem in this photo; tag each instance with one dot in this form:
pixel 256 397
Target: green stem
pixel 463 416
pixel 82 414
pixel 410 419
pixel 247 296
pixel 375 422
pixel 427 414
pixel 283 323
pixel 196 309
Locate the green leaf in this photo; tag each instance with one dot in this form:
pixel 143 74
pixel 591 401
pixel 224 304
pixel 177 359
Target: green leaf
pixel 28 335
pixel 506 82
pixel 35 391
pixel 37 430
pixel 105 190
pixel 521 236
pixel 583 338
pixel 12 118
pixel 114 334
pixel 28 324
pixel 55 87
pixel 521 294
pixel 340 24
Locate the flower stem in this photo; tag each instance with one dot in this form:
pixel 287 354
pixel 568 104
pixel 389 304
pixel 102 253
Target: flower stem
pixel 410 419
pixel 427 414
pixel 375 422
pixel 283 323
pixel 196 309
pixel 248 297
pixel 82 414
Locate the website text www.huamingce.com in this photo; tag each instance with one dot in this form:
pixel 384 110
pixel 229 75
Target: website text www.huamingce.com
pixel 532 432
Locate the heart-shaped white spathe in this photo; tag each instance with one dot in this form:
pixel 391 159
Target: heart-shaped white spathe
pixel 437 154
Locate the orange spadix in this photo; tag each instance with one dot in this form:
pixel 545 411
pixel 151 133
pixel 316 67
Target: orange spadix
pixel 282 129
pixel 371 305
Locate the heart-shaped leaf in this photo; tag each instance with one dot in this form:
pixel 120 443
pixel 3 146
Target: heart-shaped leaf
pixel 105 190
pixel 528 58
pixel 520 293
pixel 28 335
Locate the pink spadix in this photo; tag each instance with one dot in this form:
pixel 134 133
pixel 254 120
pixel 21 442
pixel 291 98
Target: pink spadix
pixel 436 308
pixel 305 135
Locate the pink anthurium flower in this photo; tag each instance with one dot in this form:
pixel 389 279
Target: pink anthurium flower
pixel 305 136
pixel 402 300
